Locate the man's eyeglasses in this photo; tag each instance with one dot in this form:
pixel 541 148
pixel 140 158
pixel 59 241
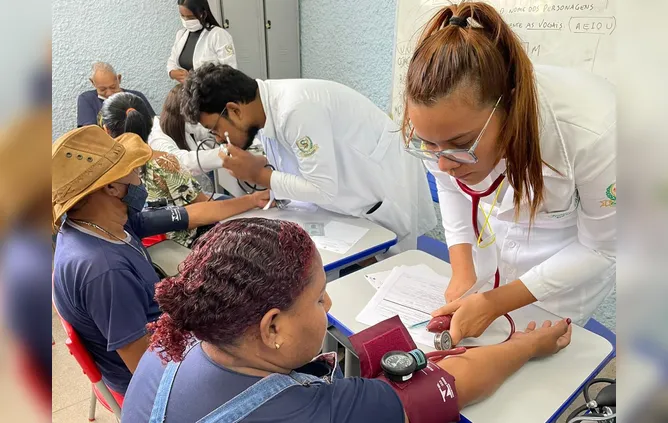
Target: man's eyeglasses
pixel 416 146
pixel 213 131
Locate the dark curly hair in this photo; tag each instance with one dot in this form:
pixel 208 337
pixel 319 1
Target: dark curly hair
pixel 210 87
pixel 236 272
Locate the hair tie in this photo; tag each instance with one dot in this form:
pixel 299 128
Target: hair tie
pixel 459 21
pixel 130 109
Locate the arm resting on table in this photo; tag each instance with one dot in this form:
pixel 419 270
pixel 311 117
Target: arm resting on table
pixel 479 372
pixel 212 212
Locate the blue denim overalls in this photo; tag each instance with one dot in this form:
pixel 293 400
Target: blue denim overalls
pixel 247 401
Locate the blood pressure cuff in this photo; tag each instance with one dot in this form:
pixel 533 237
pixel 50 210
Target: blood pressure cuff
pixel 159 221
pixel 429 396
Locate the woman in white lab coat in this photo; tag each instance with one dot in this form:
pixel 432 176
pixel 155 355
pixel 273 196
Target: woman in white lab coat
pixel 326 144
pixel 476 109
pixel 201 40
pixel 172 134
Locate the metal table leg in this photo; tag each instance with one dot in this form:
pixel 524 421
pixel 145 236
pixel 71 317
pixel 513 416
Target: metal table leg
pixel 329 344
pixel 352 364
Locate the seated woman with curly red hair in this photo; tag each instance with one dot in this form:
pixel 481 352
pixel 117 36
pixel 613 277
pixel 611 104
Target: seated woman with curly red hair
pixel 246 317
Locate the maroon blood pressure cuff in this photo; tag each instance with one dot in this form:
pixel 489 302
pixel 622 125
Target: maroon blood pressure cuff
pixel 429 396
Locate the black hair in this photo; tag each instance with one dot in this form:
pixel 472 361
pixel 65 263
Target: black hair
pixel 172 122
pixel 119 119
pixel 209 88
pixel 202 11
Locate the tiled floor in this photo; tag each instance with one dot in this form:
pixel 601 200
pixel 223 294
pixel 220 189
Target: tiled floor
pixel 71 389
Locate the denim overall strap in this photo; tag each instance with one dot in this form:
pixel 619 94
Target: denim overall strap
pixel 239 407
pixel 159 411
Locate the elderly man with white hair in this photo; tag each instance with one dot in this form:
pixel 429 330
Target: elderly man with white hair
pixel 106 82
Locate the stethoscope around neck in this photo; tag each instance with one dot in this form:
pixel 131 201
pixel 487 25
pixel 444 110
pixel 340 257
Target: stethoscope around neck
pixel 475 205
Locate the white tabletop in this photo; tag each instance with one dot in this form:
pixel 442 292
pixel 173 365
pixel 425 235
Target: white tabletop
pixel 537 392
pixel 167 255
pixel 376 241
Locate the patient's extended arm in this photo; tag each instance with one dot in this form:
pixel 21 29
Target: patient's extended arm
pixel 480 371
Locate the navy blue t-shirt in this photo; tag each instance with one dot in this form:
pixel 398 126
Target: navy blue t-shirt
pixel 89 106
pixel 105 289
pixel 202 385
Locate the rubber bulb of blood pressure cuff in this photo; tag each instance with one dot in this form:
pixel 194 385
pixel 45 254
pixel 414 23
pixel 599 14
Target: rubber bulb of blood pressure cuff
pixel 439 324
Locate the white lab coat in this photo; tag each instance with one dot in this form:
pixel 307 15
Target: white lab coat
pixel 195 134
pixel 214 45
pixel 568 257
pixel 356 158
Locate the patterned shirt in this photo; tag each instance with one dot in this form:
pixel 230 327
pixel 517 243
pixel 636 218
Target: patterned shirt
pixel 165 178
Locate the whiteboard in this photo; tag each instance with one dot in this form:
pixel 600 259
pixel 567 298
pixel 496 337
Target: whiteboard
pixel 554 32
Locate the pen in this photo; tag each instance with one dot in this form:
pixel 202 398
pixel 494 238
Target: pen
pixel 419 325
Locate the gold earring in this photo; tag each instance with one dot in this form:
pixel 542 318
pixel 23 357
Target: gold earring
pixel 277 345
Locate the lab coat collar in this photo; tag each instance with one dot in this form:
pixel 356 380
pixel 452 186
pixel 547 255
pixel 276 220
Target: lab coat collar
pixel 269 130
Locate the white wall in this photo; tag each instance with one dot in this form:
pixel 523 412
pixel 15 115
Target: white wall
pixel 135 36
pixel 351 42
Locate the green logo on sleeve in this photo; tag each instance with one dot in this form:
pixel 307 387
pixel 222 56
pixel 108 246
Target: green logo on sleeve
pixel 611 193
pixel 306 147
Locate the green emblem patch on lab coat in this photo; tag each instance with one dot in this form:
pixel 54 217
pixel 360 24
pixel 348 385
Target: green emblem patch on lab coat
pixel 306 147
pixel 229 49
pixel 611 193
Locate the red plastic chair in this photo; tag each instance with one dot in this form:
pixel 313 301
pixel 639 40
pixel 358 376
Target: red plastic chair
pixel 152 240
pixel 111 400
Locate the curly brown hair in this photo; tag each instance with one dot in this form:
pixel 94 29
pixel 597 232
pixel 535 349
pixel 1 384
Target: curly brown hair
pixel 236 272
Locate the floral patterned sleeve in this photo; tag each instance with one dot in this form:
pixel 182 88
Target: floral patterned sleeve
pixel 165 178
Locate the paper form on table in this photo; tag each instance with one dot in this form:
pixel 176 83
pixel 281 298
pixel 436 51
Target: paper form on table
pixel 339 237
pixel 410 292
pixel 377 279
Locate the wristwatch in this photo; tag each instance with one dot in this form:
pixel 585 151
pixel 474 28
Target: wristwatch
pixel 399 366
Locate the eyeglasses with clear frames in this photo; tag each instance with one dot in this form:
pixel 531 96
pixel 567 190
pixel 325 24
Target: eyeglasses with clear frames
pixel 415 146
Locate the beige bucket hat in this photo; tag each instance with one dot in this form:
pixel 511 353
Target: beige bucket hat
pixel 86 159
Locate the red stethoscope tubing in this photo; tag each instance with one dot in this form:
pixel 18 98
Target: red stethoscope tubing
pixel 440 355
pixel 475 200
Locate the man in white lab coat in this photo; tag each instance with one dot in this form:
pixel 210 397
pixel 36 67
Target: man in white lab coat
pixel 326 144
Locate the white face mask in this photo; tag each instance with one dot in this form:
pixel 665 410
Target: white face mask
pixel 101 97
pixel 192 25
